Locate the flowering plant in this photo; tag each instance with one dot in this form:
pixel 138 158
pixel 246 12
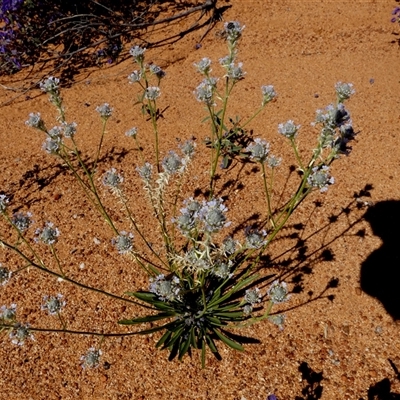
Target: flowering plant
pixel 202 284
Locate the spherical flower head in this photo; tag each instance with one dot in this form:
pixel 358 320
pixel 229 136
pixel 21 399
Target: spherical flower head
pixel 69 129
pixel 253 296
pixel 233 31
pixel 145 172
pixel 204 66
pixel 104 110
pixel 53 304
pixel 247 309
pixel 192 206
pixel 288 129
pixel 320 178
pixel 188 148
pixel 20 333
pixel 273 161
pixel 50 85
pixel 172 163
pixel 3 203
pixel 123 242
pixel 278 292
pixel 344 91
pixel 235 72
pixel 157 71
pixel 35 121
pixel 55 132
pixel 137 53
pixel 112 179
pixel 255 239
pixel 278 319
pixel 8 313
pixel 132 132
pixel 222 269
pixel 5 275
pixel 92 358
pixel 135 76
pixel 152 93
pixel 212 214
pixel 166 290
pixel 205 91
pixel 51 146
pixel 185 222
pixel 48 235
pixel 268 93
pixel 228 246
pixel 22 221
pixel 258 150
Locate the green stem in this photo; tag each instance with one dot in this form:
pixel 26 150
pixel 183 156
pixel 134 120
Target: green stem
pixel 267 195
pixel 99 148
pixel 65 278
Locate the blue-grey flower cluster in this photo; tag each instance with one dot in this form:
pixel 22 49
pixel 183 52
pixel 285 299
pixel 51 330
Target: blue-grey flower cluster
pixel 35 121
pixel 20 333
pixel 268 93
pixel 135 76
pixel 212 214
pixel 258 150
pixel 8 313
pixel 204 66
pixel 137 53
pixel 253 296
pixel 69 129
pixel 53 304
pixel 229 246
pixel 288 129
pixel 235 72
pixel 320 178
pixel 3 202
pixel 48 235
pixel 152 93
pixel 222 269
pixel 157 71
pixel 92 358
pixel 132 132
pixel 166 289
pixel 273 161
pixel 205 91
pixel 344 91
pixel 51 146
pixel 278 292
pixel 112 179
pixel 22 221
pixel 233 31
pixel 337 129
pixel 50 85
pixel 172 163
pixel 255 239
pixel 188 147
pixel 145 172
pixel 278 319
pixel 5 275
pixel 123 242
pixel 104 110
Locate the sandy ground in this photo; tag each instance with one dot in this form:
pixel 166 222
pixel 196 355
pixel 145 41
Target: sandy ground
pixel 341 338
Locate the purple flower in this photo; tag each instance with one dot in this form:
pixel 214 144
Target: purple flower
pixel 272 397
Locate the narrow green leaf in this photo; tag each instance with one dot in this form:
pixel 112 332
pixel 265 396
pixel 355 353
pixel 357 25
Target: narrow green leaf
pixel 149 318
pixel 228 341
pixel 203 353
pixel 184 347
pixel 211 344
pixel 229 315
pixel 163 338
